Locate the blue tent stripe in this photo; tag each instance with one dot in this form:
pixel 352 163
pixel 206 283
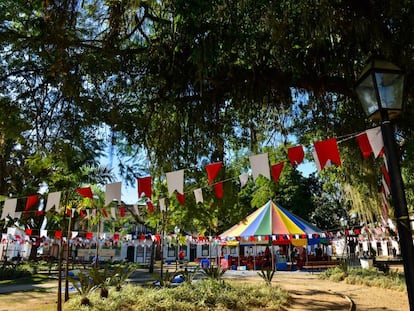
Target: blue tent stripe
pixel 252 227
pixel 304 225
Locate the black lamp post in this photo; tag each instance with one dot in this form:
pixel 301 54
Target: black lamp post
pixel 380 89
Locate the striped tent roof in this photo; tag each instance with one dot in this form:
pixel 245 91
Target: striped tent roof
pixel 271 219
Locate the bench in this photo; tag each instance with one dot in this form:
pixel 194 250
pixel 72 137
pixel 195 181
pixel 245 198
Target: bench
pixel 320 265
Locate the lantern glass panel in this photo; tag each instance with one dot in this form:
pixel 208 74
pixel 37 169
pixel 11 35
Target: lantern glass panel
pixel 390 88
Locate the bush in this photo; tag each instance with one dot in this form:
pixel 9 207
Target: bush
pixel 368 277
pixel 10 273
pixel 267 275
pixel 204 295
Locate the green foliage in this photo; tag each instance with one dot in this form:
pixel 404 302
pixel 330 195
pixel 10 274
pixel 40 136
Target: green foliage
pixel 187 84
pixel 214 273
pixel 96 278
pixel 83 284
pixel 267 275
pixel 12 273
pixel 166 279
pixel 189 275
pixel 369 277
pixel 200 296
pixel 120 274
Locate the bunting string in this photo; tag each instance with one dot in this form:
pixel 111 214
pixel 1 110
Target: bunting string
pixel 325 153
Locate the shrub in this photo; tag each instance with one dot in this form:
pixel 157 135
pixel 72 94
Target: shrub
pixel 267 275
pixel 204 295
pixel 120 274
pixel 214 273
pixel 10 273
pixel 368 277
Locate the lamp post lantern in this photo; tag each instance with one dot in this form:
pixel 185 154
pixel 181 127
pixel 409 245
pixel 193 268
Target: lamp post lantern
pixel 380 88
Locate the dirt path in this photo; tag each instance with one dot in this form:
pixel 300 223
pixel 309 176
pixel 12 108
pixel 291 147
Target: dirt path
pixel 308 292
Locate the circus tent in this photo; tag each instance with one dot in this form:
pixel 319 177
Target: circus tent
pixel 275 224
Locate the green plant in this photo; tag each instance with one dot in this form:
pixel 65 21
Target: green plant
pixel 84 286
pixel 101 279
pixel 344 265
pixel 267 275
pixel 120 274
pixel 206 295
pixel 12 273
pixel 166 279
pixel 214 272
pixel 189 275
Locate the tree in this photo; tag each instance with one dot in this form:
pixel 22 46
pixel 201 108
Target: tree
pixel 182 79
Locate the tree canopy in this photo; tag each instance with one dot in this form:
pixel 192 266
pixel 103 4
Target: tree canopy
pixel 190 81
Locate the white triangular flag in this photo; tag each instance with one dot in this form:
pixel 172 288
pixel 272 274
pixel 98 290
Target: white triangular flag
pixel 316 159
pixel 53 199
pixel 243 178
pixel 375 140
pixel 260 165
pixel 74 234
pixel 175 181
pixel 163 207
pixel 43 233
pixel 198 193
pixel 113 212
pixel 9 208
pixel 113 193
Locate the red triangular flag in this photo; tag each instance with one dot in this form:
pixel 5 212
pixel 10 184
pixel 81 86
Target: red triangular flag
pixel 386 175
pixel 28 231
pixel 181 198
pixel 150 207
pixel 82 213
pixel 218 188
pixel 58 234
pixel 31 201
pixel 327 150
pixel 85 192
pixel 364 144
pixel 296 155
pixel 116 236
pixel 212 171
pixel 89 235
pixel 144 187
pixel 122 211
pixel 277 170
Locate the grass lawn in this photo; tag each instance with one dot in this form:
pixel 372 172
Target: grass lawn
pixel 37 299
pixel 33 301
